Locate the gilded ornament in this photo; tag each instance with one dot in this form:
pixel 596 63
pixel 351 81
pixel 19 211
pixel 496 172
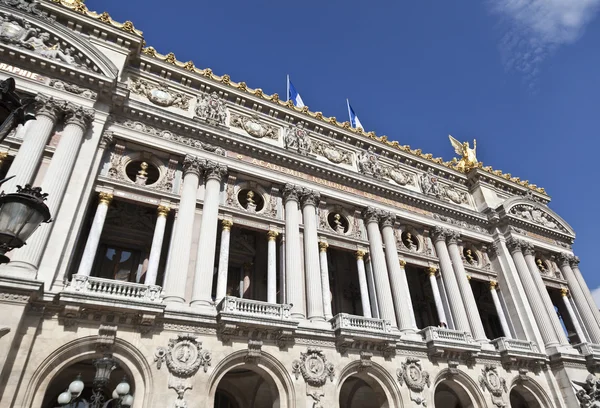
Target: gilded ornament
pixel 207 73
pixel 323 246
pixel 468 158
pixel 225 79
pixel 105 18
pixel 163 210
pixel 332 120
pixel 493 285
pixel 360 255
pixel 242 86
pixel 304 109
pixel 189 66
pixel 128 26
pixel 105 198
pixel 227 224
pixel 564 292
pixel 258 92
pixel 319 115
pixel 275 97
pixel 432 270
pixel 272 235
pixel 346 125
pixel 170 58
pixel 149 51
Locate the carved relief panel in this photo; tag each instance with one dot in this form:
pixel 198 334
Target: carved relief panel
pixel 159 93
pixel 254 126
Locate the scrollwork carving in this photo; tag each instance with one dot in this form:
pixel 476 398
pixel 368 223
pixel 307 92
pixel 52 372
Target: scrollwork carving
pixel 184 356
pixel 74 89
pixel 416 379
pixel 314 367
pixel 254 126
pixel 159 94
pixel 496 385
pixel 331 152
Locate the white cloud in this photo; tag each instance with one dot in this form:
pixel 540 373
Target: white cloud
pixel 533 29
pixel 596 296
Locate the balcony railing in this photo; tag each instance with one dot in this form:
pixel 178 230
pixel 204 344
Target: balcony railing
pixel 442 334
pixel 114 289
pixel 522 346
pixel 253 308
pixel 345 321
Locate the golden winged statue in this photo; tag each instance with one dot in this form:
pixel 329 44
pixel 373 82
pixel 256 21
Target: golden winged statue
pixel 468 156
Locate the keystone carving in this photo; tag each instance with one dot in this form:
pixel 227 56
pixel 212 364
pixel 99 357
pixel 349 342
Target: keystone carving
pixel 184 356
pixel 415 378
pixel 496 385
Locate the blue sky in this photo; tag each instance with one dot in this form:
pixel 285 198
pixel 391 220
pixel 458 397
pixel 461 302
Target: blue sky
pixel 521 76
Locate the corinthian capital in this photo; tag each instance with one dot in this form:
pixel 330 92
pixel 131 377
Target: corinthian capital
pixel 564 259
pixel 106 139
pixel 371 214
pixel 439 233
pixel 192 164
pixel 291 192
pixel 514 245
pixel 452 237
pixel 310 197
pixel 528 248
pixel 79 116
pixel 387 219
pixel 574 261
pixel 214 170
pixel 49 107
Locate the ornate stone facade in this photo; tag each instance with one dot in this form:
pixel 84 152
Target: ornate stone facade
pixel 231 251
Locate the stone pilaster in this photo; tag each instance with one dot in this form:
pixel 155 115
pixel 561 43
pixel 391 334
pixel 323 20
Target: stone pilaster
pixel 312 272
pixel 272 266
pixel 362 282
pixel 380 273
pixel 35 138
pixel 293 269
pixel 157 242
pixel 437 297
pixel 91 245
pixel 457 308
pixel 529 255
pixel 579 299
pixel 499 309
pixel 325 280
pixel 533 295
pixel 465 288
pixel 181 239
pixel 207 243
pixel 77 121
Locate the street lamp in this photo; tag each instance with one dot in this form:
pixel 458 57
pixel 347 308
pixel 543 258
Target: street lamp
pixel 121 398
pixel 20 215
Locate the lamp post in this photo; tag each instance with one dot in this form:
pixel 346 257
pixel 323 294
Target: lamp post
pixel 20 215
pixel 121 398
pixel 13 110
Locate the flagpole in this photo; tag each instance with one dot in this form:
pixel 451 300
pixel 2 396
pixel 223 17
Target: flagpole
pixel 287 93
pixel 349 114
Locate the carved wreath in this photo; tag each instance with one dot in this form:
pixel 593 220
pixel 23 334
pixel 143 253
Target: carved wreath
pixel 314 367
pixel 253 126
pixel 331 152
pixel 184 356
pixel 159 94
pixel 412 373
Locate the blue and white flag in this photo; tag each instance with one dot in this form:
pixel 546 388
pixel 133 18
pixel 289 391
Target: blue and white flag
pixel 354 122
pixel 293 94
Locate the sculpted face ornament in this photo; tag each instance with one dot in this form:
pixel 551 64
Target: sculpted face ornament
pixel 296 138
pixel 314 367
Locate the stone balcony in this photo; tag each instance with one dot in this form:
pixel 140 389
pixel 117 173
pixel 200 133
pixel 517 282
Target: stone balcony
pixel 362 333
pixel 448 343
pixel 87 292
pixel 238 317
pixel 519 353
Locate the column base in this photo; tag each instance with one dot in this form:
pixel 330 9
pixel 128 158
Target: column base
pixel 561 349
pixel 316 319
pixel 173 299
pixel 410 334
pixel 202 304
pixel 20 269
pixel 297 316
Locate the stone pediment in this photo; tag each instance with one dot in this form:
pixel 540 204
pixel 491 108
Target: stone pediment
pixel 541 216
pixel 47 40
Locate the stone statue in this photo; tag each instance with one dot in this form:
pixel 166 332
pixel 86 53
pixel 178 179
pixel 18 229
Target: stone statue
pixel 142 174
pixel 430 184
pixel 469 256
pixel 369 164
pixel 40 46
pixel 588 393
pixel 337 224
pixel 211 108
pixel 250 203
pixel 468 159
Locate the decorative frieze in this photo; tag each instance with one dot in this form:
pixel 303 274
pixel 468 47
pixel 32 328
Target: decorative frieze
pixel 368 164
pixel 211 109
pixel 331 152
pixel 431 185
pixel 74 89
pixel 296 139
pixel 537 216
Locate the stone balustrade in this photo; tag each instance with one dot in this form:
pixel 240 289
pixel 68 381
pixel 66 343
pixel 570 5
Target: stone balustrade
pixel 369 324
pixel 441 341
pixel 114 289
pixel 519 353
pixel 255 308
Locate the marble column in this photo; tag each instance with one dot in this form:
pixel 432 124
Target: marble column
pixel 565 297
pixel 397 276
pixel 372 289
pixel 455 301
pixel 77 121
pixel 181 243
pixel 207 243
pixel 362 283
pixel 574 262
pixel 223 261
pixel 529 254
pixel 294 282
pixel 91 245
pixel 312 270
pixel 583 307
pixel 272 266
pixel 35 137
pixel 157 243
pixel 325 280
pixel 439 305
pixel 533 296
pixel 465 288
pixel 380 273
pixel 499 309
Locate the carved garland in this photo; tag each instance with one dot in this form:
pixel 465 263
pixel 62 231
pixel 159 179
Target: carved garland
pixel 184 356
pixel 314 367
pixel 416 379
